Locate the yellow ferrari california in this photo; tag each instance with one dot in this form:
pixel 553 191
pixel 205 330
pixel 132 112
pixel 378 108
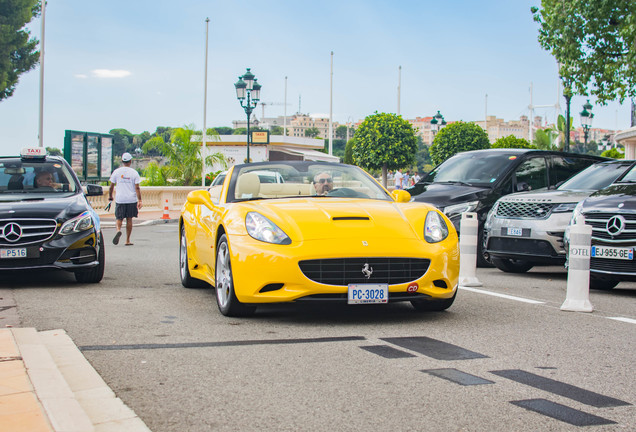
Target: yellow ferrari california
pixel 290 231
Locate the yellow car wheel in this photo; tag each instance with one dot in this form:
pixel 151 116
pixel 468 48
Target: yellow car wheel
pixel 226 299
pixel 184 272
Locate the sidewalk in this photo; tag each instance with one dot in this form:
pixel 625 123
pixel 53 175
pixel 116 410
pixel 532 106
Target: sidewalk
pixel 146 217
pixel 47 385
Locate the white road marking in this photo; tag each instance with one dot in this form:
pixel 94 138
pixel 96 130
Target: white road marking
pixel 627 320
pixel 509 297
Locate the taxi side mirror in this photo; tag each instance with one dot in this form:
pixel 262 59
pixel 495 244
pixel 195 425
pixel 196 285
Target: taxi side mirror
pixel 401 196
pixel 93 190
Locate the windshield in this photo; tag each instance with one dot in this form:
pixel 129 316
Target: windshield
pixel 302 179
pixel 24 177
pixel 473 168
pixel 630 177
pixel 595 177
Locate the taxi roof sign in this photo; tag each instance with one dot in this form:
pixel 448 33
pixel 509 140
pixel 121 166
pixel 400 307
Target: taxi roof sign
pixel 33 153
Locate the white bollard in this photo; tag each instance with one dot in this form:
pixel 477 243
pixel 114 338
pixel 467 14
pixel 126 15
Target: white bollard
pixel 468 238
pixel 577 298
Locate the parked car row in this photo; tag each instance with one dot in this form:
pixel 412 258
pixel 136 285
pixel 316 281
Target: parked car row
pixel 473 181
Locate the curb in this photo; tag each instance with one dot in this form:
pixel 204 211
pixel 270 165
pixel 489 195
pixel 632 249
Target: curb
pixel 72 394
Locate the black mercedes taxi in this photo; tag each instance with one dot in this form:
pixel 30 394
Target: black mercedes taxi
pixel 46 222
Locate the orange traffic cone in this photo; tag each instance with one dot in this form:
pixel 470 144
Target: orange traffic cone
pixel 166 212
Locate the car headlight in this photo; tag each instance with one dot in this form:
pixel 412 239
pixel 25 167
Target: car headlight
pixel 576 214
pixel 564 208
pixel 261 228
pixel 576 217
pixel 77 224
pixel 456 209
pixel 491 214
pixel 435 228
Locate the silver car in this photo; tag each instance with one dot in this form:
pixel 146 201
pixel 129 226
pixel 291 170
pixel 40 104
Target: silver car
pixel 526 229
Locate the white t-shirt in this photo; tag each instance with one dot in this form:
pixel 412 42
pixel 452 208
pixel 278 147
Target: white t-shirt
pixel 125 179
pixel 398 179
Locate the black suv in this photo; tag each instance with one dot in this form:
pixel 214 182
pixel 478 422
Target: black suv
pixel 472 181
pixel 46 222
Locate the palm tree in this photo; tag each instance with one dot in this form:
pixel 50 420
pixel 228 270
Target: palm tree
pixel 184 156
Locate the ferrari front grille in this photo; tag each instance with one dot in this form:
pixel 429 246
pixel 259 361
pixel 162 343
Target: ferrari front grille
pixel 25 231
pixel 345 271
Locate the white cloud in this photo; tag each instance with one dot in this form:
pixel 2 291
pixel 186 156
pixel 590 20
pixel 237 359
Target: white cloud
pixel 81 76
pixel 107 73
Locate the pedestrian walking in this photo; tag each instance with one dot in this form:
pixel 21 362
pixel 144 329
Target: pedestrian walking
pixel 127 196
pixel 405 179
pixel 398 179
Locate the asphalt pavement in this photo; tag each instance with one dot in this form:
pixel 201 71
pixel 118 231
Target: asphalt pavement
pixel 46 383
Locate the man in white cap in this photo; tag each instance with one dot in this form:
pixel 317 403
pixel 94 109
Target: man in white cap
pixel 127 196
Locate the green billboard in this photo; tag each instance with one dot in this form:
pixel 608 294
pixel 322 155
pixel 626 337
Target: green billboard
pixel 90 154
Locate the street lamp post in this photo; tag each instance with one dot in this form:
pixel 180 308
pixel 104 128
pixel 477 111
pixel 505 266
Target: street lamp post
pixel 437 123
pixel 586 119
pixel 248 92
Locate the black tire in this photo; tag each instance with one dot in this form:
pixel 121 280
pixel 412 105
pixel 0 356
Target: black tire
pixel 226 299
pixel 95 274
pixel 597 283
pixel 511 265
pixel 184 272
pixel 433 305
pixel 483 260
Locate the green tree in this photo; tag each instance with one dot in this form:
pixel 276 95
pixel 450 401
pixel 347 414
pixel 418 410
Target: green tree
pixel 341 132
pixel 613 153
pixel 18 52
pixel 183 155
pixel 276 130
pixel 595 44
pixel 240 131
pixel 155 175
pixel 224 130
pixel 312 132
pixel 122 140
pixel 422 157
pixel 54 151
pixel 348 153
pixel 512 141
pixel 456 138
pixel 544 139
pixel 384 141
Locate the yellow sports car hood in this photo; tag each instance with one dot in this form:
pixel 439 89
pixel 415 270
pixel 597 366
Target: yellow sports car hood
pixel 325 218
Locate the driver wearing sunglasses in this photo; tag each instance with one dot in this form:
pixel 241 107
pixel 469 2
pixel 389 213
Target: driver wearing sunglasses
pixel 323 183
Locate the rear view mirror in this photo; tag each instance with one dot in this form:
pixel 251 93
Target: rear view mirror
pixel 14 171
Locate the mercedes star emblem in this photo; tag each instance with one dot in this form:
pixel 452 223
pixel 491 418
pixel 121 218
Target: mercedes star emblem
pixel 615 225
pixel 12 232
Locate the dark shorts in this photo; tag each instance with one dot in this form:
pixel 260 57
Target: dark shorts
pixel 125 211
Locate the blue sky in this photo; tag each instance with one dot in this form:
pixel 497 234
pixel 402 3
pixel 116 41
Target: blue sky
pixel 139 64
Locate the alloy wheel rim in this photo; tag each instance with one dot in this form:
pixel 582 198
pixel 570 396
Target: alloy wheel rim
pixel 223 275
pixel 183 260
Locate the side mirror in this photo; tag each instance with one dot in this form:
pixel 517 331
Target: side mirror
pixel 401 196
pixel 200 197
pixel 94 190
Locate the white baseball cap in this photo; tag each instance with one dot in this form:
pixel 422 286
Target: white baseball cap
pixel 126 157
